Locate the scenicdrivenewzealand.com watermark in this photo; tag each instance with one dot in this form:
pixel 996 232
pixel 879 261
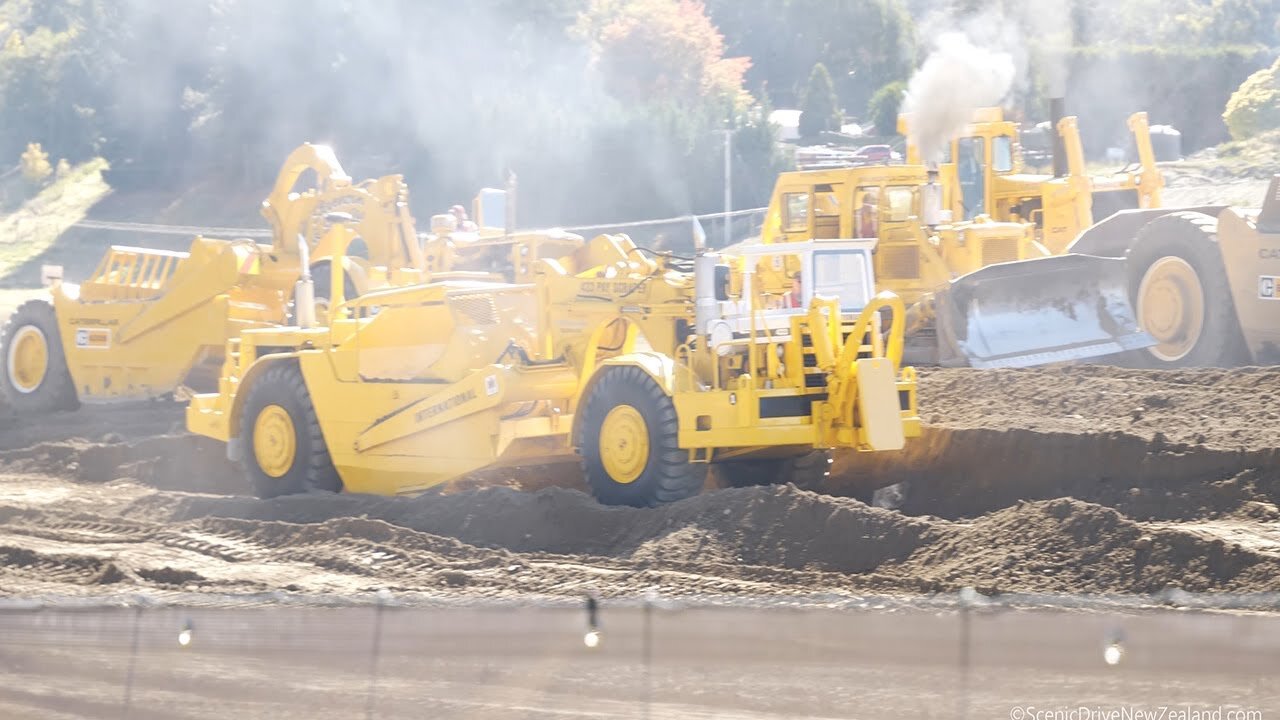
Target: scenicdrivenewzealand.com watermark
pixel 1144 712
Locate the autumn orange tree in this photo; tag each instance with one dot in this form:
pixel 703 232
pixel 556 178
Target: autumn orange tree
pixel 674 93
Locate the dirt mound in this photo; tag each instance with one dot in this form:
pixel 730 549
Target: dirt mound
pixel 1220 409
pixel 1062 480
pixel 169 462
pixel 770 526
pixel 91 424
pixel 1068 546
pixel 956 473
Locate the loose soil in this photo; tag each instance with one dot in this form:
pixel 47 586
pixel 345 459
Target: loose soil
pixel 1079 480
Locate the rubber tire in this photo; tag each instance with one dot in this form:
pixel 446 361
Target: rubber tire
pixel 312 469
pixel 668 475
pixel 56 391
pixel 1193 237
pixel 807 472
pixel 321 282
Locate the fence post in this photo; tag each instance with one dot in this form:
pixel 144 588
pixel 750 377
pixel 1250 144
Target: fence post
pixel 967 597
pixel 371 691
pixel 647 656
pixel 133 661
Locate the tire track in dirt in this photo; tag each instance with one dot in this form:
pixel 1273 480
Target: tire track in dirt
pixel 1057 480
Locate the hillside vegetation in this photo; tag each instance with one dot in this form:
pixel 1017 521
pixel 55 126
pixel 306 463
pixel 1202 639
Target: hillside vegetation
pixel 606 110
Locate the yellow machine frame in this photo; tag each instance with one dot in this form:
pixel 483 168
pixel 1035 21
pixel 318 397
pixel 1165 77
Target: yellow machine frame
pixel 147 323
pixel 885 203
pixel 1060 207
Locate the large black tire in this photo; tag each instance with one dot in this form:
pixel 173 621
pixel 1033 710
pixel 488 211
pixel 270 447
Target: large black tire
pixel 807 472
pixel 322 281
pixel 1191 237
pixel 311 470
pixel 321 284
pixel 35 320
pixel 667 474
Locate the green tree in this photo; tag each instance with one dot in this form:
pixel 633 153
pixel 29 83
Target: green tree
pixel 883 109
pixel 820 109
pixel 863 43
pixel 1255 106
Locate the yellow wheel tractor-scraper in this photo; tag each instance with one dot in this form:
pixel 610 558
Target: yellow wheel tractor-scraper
pixel 147 323
pixel 649 367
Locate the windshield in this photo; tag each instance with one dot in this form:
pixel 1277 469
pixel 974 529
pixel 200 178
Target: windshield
pixel 843 275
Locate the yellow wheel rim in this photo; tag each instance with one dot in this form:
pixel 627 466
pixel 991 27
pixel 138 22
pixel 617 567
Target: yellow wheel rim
pixel 624 444
pixel 274 443
pixel 28 360
pixel 1171 307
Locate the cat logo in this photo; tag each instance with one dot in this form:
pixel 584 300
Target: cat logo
pixel 93 338
pixel 1267 287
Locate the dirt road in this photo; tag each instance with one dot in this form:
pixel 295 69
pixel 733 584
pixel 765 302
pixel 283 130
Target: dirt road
pixel 1078 480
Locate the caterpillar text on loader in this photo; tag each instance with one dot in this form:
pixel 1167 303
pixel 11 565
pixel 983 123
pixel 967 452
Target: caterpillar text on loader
pixel 148 322
pixel 649 368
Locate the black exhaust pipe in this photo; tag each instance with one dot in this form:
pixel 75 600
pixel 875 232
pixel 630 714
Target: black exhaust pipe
pixel 1057 111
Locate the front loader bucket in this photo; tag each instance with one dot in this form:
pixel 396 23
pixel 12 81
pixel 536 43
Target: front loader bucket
pixel 1038 311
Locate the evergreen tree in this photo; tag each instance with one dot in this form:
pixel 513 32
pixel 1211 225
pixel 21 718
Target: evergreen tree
pixel 820 109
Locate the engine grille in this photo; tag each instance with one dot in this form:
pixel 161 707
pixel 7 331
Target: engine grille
pixel 479 309
pixel 998 250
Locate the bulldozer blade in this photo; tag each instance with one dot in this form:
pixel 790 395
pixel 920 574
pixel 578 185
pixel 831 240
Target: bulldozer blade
pixel 1039 311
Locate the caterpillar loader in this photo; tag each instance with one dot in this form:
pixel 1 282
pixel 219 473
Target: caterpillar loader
pixel 647 368
pixel 146 323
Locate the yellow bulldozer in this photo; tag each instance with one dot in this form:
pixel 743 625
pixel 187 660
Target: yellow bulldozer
pixel 147 323
pixel 1201 279
pixel 1129 280
pixel 650 367
pixel 956 312
pixel 951 233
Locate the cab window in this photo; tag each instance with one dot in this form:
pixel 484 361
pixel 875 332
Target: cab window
pixel 867 212
pixel 826 211
pixel 1002 153
pixel 795 212
pixel 901 204
pixel 843 275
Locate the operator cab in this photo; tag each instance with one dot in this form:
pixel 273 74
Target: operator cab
pixel 829 269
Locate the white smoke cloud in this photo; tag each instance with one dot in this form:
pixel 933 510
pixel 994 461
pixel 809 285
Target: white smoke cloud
pixel 956 79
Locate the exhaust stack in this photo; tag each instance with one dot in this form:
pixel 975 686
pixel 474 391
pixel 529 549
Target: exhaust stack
pixel 1057 111
pixel 931 200
pixel 304 295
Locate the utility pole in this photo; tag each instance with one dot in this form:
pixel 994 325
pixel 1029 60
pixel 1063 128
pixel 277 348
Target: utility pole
pixel 728 185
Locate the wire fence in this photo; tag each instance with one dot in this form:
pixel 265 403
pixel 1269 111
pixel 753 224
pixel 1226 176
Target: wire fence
pixel 382 655
pixel 673 233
